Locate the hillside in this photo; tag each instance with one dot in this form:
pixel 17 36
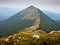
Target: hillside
pixel 32 37
pixel 58 22
pixel 53 15
pixel 46 23
pixel 26 18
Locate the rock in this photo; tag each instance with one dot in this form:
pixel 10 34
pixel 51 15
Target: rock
pixel 6 40
pixel 35 36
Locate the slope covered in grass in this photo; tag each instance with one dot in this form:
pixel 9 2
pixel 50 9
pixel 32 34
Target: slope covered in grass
pixel 32 37
pixel 27 18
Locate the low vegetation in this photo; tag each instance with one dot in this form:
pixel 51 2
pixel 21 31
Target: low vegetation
pixel 32 37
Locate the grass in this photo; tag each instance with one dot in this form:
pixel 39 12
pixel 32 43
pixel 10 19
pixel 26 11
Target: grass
pixel 26 38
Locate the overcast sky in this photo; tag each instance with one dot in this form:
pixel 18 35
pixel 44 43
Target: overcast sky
pixel 50 5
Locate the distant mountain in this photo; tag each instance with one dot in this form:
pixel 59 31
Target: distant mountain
pixel 3 17
pixel 27 18
pixel 52 15
pixel 5 13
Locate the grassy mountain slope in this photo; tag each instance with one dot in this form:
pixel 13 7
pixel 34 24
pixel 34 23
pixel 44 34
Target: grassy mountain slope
pixel 46 23
pixel 58 22
pixel 26 38
pixel 28 17
pixel 53 15
pixel 21 20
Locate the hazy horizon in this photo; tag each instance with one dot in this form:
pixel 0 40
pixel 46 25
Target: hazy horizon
pixel 50 5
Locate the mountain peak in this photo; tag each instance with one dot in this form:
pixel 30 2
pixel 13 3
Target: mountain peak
pixel 32 7
pixel 29 17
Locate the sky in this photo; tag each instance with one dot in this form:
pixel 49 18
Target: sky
pixel 50 5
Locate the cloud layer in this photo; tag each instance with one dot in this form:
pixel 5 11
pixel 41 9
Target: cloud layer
pixel 52 5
